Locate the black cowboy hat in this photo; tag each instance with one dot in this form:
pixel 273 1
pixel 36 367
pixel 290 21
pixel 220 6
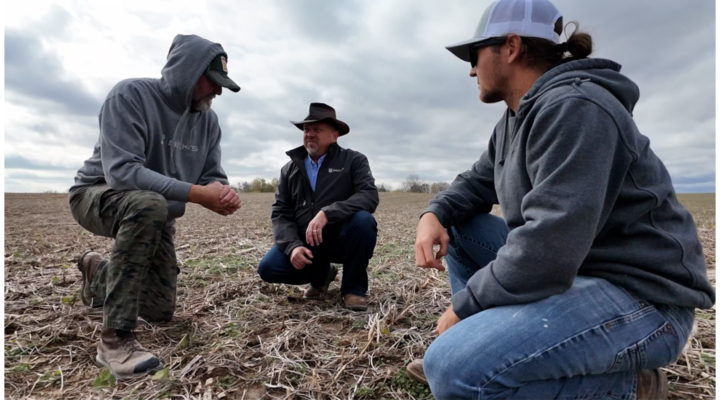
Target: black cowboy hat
pixel 325 113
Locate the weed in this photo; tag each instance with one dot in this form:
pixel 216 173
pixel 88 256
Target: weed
pixel 105 379
pixel 403 382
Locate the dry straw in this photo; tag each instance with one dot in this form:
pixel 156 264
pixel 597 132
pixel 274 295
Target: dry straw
pixel 236 337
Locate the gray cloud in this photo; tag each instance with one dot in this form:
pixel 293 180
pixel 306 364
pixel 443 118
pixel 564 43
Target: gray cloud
pixel 20 162
pixel 35 74
pixel 323 21
pixel 410 104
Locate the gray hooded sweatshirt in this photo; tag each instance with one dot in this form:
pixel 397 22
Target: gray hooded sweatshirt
pixel 582 194
pixel 151 139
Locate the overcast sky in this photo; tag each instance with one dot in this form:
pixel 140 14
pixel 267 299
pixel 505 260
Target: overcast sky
pixel 410 104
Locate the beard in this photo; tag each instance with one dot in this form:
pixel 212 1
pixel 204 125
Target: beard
pixel 204 104
pixel 495 93
pixel 312 148
pixel 491 96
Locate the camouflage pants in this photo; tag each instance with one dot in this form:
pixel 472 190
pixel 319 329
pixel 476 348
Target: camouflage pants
pixel 141 275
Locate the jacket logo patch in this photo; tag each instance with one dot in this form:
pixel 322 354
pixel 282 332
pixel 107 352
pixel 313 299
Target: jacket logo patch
pixel 331 170
pixel 177 145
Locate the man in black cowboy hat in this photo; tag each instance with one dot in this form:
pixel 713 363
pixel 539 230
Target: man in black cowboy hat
pixel 322 213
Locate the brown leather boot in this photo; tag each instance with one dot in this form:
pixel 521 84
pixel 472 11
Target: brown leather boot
pixel 415 371
pixel 355 302
pixel 651 385
pixel 121 353
pixel 318 293
pixel 88 265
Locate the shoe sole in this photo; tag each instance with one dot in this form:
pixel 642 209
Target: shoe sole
pixel 416 377
pixel 87 302
pixel 102 364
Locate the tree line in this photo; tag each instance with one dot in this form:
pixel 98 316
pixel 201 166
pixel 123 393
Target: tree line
pixel 258 185
pixel 411 184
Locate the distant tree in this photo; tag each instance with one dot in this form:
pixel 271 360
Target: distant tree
pixel 438 187
pixel 268 187
pixel 246 187
pixel 414 184
pixel 384 188
pixel 257 185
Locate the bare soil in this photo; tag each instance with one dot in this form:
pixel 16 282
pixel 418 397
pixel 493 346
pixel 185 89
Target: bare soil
pixel 236 337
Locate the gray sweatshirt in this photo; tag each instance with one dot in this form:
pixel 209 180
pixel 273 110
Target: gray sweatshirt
pixel 151 139
pixel 582 194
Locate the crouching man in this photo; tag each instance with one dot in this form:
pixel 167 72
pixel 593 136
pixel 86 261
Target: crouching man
pixel 322 213
pixel 159 147
pixel 589 284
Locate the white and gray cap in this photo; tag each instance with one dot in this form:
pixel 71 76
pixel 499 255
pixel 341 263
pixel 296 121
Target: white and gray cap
pixel 530 18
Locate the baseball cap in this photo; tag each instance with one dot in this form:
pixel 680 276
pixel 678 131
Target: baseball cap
pixel 529 18
pixel 217 71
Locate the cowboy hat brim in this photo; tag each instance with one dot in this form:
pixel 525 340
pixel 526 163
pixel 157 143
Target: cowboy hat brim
pixel 342 127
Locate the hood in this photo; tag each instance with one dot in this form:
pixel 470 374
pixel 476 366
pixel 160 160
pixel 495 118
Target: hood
pixel 604 73
pixel 188 58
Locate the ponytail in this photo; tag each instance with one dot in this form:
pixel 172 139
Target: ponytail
pixel 543 54
pixel 579 44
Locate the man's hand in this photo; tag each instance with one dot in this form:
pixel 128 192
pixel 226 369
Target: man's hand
pixel 429 233
pixel 313 234
pixel 230 198
pixel 300 257
pixel 448 319
pixel 208 196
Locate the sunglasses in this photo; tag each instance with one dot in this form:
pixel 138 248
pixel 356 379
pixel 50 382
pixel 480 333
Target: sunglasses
pixel 485 43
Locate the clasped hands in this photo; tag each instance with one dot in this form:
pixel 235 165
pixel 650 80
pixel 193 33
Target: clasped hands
pixel 215 197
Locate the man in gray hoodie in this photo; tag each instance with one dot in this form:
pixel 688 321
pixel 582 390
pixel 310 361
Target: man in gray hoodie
pixel 159 148
pixel 589 284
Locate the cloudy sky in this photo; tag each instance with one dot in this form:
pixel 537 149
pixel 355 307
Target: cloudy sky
pixel 410 104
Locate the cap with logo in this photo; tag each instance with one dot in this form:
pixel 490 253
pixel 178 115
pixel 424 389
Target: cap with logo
pixel 529 18
pixel 218 72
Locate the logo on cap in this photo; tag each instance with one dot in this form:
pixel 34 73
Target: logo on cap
pixel 224 63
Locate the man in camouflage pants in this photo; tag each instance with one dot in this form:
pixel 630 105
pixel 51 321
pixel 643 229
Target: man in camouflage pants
pixel 159 148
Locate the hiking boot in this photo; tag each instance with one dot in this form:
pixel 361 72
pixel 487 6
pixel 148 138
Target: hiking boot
pixel 121 353
pixel 651 385
pixel 88 265
pixel 316 293
pixel 355 302
pixel 416 372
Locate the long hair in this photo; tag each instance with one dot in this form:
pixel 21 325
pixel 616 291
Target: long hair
pixel 543 54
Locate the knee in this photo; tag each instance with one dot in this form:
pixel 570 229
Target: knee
pixel 266 271
pixel 483 228
pixel 147 206
pixel 478 222
pixel 363 223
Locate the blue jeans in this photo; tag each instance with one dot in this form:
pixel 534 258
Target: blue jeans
pixel 351 243
pixel 585 343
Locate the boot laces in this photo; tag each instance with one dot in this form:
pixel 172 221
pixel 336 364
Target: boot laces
pixel 128 341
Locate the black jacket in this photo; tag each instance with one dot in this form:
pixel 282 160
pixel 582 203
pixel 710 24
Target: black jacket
pixel 344 186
